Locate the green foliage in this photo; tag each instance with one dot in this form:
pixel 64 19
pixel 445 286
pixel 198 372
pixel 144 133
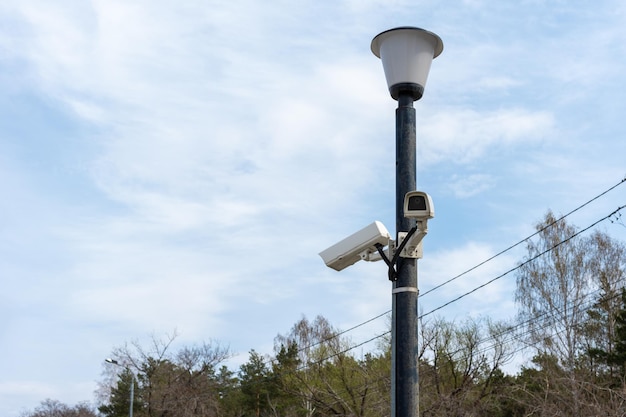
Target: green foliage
pixel 119 405
pixel 614 358
pixel 256 387
pixel 227 385
pixel 285 377
pixel 460 369
pixel 618 355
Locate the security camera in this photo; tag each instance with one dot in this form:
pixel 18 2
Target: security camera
pixel 418 205
pixel 357 246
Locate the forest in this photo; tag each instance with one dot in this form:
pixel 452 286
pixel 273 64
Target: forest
pixel 571 321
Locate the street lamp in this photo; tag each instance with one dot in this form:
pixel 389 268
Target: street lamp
pixel 406 53
pixel 132 383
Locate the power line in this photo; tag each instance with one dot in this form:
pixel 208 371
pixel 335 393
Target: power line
pixel 532 259
pixel 584 302
pixel 525 239
pixel 500 339
pixel 622 181
pixel 374 385
pixel 343 332
pixel 509 334
pixel 523 263
pixel 341 352
pixel 490 281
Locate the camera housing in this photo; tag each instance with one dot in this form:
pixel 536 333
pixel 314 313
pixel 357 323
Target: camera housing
pixel 359 245
pixel 418 205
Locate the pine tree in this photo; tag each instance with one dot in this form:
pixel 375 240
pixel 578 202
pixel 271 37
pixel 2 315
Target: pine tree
pixel 119 404
pixel 618 356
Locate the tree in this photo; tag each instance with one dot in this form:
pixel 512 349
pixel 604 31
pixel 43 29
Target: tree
pixel 121 393
pixel 607 266
pixel 285 377
pixel 54 408
pixel 328 380
pixel 315 340
pixel 566 289
pixel 460 367
pixel 229 393
pixel 312 342
pixel 552 287
pixel 255 386
pixel 618 356
pixel 168 383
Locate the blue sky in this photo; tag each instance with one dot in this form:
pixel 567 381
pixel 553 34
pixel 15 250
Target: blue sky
pixel 179 165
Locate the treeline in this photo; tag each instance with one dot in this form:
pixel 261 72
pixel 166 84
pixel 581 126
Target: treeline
pixel 571 321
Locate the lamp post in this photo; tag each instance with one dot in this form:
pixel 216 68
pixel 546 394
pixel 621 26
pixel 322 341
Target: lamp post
pixel 132 383
pixel 406 53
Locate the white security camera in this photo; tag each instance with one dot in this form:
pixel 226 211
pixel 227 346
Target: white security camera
pixel 357 246
pixel 418 205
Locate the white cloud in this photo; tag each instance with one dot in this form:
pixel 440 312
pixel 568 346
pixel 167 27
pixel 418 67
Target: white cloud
pixel 470 185
pixel 498 82
pixel 462 135
pixel 494 299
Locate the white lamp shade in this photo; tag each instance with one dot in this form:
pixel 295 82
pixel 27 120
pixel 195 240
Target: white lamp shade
pixel 407 53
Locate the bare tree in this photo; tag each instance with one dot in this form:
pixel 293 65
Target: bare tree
pixel 313 341
pixel 54 408
pixel 173 383
pixel 567 291
pixel 460 367
pixel 552 290
pixel 330 380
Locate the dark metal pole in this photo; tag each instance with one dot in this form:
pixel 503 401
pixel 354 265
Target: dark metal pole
pixel 405 378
